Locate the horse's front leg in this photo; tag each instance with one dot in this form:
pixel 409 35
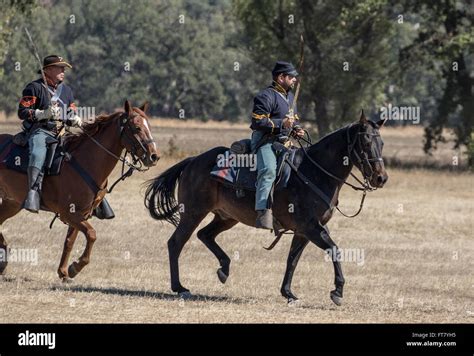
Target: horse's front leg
pixel 68 244
pixel 298 244
pixel 84 260
pixel 319 235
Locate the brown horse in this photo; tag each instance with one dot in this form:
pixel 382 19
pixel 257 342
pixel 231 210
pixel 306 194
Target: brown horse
pixel 97 150
pixel 304 207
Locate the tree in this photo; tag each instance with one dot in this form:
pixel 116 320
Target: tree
pixel 10 10
pixel 446 41
pixel 347 58
pixel 177 54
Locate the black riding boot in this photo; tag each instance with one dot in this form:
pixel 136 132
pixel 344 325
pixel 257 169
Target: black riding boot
pixel 104 210
pixel 33 199
pixel 264 219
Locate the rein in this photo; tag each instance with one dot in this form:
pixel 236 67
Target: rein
pixel 365 186
pixel 124 161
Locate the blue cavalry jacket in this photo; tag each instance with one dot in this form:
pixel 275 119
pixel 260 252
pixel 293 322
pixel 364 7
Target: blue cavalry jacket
pixel 270 107
pixel 35 96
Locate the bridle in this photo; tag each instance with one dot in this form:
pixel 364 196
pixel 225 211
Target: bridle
pixel 134 140
pixel 363 162
pixel 132 137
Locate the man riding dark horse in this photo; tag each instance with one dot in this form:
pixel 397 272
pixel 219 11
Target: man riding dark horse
pixel 273 118
pixel 45 109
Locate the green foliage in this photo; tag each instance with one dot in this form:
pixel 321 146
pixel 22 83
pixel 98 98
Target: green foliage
pixel 336 34
pixel 176 54
pixel 445 46
pixel 10 10
pixel 208 58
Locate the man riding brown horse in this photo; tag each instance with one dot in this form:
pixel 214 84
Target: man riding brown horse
pixel 81 183
pixel 45 109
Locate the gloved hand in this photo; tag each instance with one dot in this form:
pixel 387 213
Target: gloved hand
pixel 288 122
pixel 74 121
pixel 52 112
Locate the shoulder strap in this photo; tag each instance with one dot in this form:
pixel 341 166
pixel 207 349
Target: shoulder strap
pixel 312 186
pixel 84 175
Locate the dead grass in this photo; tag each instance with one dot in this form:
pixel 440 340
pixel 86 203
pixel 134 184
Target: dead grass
pixel 416 235
pixel 403 145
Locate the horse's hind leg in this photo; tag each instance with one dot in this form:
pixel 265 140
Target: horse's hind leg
pixel 176 243
pixel 208 236
pixel 7 210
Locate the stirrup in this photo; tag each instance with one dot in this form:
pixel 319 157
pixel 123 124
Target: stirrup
pixel 104 211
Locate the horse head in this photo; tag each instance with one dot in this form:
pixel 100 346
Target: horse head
pixel 136 134
pixel 366 151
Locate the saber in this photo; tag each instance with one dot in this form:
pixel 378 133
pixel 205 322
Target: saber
pixel 35 52
pixel 291 112
pixel 59 123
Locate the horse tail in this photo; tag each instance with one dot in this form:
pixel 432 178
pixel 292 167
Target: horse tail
pixel 160 197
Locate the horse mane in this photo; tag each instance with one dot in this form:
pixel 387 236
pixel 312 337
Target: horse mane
pixel 331 135
pixel 72 141
pixel 328 137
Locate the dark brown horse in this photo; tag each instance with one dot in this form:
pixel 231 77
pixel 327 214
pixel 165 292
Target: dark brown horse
pixel 97 151
pixel 298 207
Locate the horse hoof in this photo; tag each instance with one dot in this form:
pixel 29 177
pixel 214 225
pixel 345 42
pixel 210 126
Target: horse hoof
pixel 294 302
pixel 67 280
pixel 185 295
pixel 222 276
pixel 71 271
pixel 336 299
pixel 3 266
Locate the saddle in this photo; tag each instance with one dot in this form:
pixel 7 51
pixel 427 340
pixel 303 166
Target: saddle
pixel 16 155
pixel 237 167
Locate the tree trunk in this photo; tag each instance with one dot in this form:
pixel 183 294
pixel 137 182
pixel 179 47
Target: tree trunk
pixel 322 120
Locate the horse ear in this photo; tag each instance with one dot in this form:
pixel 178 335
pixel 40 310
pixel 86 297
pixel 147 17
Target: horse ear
pixel 380 123
pixel 145 107
pixel 127 107
pixel 363 119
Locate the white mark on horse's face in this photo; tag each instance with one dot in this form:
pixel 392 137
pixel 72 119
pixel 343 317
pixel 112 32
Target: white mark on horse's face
pixel 145 123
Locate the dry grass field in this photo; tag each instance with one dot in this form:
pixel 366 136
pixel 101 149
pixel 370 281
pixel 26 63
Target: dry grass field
pixel 416 236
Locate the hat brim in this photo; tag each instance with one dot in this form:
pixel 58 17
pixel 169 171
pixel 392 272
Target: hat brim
pixel 293 73
pixel 58 64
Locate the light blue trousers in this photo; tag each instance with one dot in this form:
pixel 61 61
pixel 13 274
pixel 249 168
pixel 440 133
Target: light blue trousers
pixel 38 148
pixel 266 170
